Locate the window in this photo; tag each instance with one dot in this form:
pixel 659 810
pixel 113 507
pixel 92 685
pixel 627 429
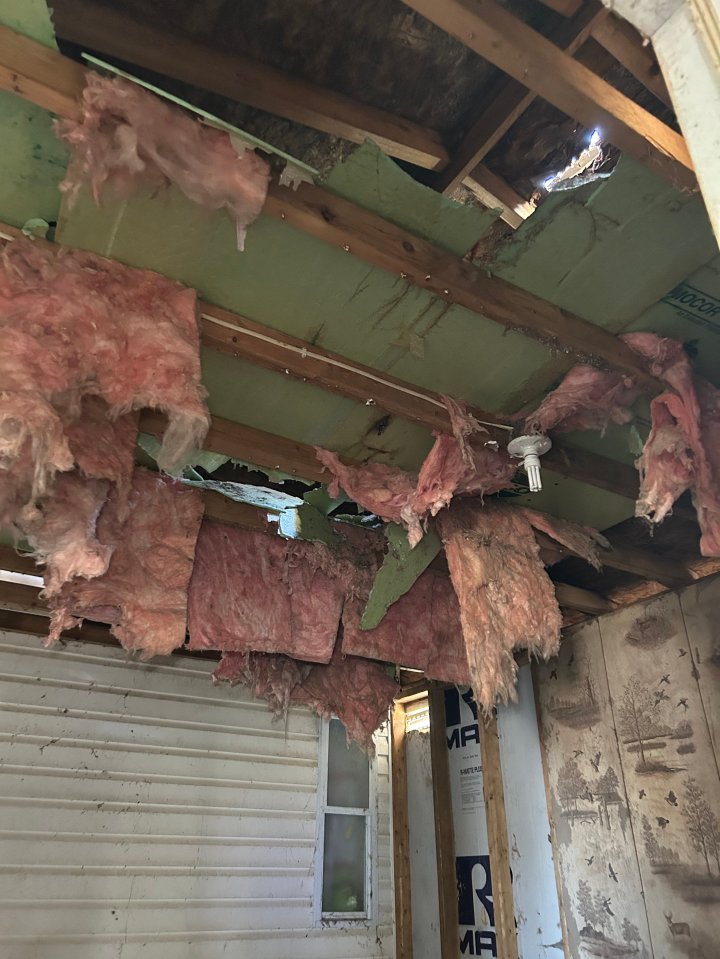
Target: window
pixel 345 835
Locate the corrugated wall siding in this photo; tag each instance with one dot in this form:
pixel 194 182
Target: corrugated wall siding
pixel 629 726
pixel 146 813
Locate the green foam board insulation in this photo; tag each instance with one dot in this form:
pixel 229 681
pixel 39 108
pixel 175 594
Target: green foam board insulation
pixel 387 191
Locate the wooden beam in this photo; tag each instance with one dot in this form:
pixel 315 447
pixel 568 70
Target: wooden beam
pixel 444 826
pixel 510 44
pixel 401 836
pixel 360 233
pixel 568 8
pixel 507 103
pixel 37 625
pixel 498 839
pixel 584 600
pixel 623 42
pixel 22 598
pixel 41 75
pixel 492 191
pixel 114 33
pixel 16 562
pixel 640 562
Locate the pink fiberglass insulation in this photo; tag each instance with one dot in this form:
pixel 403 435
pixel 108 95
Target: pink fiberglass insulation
pixel 62 532
pixel 357 691
pixel 255 591
pixel 143 594
pixel 458 464
pixel 128 136
pixel 506 598
pixel 421 630
pixel 268 676
pixel 383 490
pixel 586 399
pixel 706 494
pixel 73 325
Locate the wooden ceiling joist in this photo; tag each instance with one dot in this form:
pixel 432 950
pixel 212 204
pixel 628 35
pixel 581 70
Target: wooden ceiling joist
pixel 101 28
pixel 507 103
pixel 626 45
pixel 357 232
pixel 534 61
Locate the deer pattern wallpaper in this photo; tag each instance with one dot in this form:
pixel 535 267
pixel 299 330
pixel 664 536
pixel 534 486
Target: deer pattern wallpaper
pixel 630 718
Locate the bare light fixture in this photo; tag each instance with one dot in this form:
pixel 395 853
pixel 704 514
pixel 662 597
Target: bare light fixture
pixel 530 449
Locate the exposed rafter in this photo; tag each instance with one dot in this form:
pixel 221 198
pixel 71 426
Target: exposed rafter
pixel 623 41
pixel 510 44
pixel 509 101
pixel 99 27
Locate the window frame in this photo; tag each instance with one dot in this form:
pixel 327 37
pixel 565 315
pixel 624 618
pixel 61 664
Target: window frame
pixel 344 919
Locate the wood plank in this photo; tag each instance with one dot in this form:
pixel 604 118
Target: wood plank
pixel 509 101
pixel 37 625
pixel 444 827
pixel 568 8
pixel 22 598
pixel 40 75
pixel 584 600
pixel 623 41
pixel 492 191
pixel 401 836
pixel 360 233
pixel 245 339
pixel 507 947
pixel 18 562
pixel 640 562
pixel 510 44
pixel 251 445
pixel 117 34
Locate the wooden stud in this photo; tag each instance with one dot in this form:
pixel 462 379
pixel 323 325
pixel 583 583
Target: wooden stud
pixel 623 41
pixel 117 34
pixel 509 101
pixel 444 827
pixel 510 44
pixel 401 836
pixel 505 930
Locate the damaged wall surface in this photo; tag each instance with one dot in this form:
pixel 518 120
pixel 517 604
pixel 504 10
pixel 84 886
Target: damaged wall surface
pixel 146 812
pixel 629 716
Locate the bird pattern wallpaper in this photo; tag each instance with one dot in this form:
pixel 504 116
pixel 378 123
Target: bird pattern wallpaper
pixel 630 716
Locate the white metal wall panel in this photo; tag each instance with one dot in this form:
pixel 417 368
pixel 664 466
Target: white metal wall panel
pixel 146 813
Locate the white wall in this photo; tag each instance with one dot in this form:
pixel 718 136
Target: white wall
pixel 146 813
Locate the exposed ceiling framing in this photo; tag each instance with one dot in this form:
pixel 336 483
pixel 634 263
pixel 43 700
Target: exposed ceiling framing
pixel 531 59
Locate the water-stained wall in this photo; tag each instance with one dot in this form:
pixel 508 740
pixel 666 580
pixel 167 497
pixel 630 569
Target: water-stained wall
pixel 630 719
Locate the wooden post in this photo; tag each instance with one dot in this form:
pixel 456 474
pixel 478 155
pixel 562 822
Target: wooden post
pixel 401 837
pixel 444 829
pixel 498 840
